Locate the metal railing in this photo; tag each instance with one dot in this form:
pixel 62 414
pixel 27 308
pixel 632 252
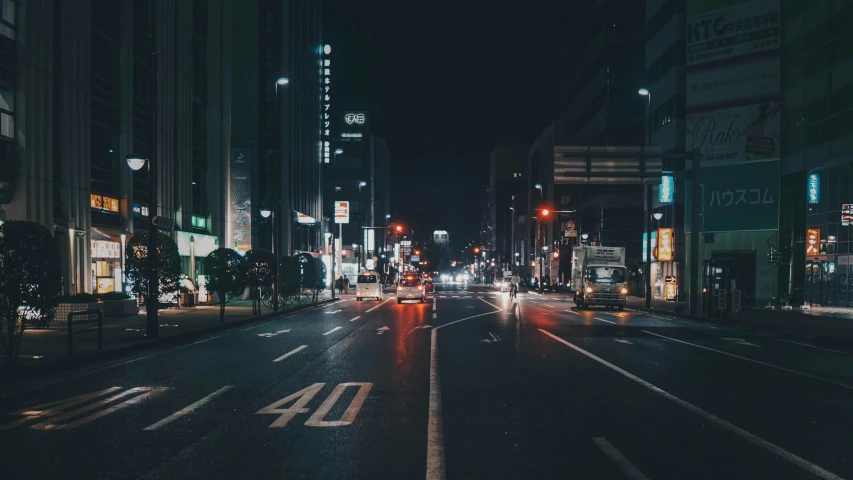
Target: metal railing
pixel 99 328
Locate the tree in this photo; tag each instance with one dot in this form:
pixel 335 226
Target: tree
pixel 30 280
pixel 291 275
pixel 225 276
pixel 168 264
pixel 260 269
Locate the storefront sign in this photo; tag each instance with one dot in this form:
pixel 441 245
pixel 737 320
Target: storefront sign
pixel 670 290
pixel 99 202
pixel 240 201
pixel 665 248
pixel 140 210
pixel 812 241
pixel 204 244
pixel 357 118
pixel 846 214
pixel 105 249
pixel 741 197
pixel 646 245
pixel 735 83
pixel 666 191
pixel 735 135
pixel 342 211
pixel 742 29
pixel 814 188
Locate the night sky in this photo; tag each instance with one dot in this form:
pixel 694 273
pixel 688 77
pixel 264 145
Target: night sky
pixel 444 81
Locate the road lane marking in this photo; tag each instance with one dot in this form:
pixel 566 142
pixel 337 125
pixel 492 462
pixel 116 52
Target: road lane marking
pixel 614 455
pixel 607 321
pixel 316 419
pixel 144 392
pixel 383 303
pixel 302 398
pixel 812 346
pixel 188 409
pixel 435 467
pixel 356 318
pixel 759 362
pixel 434 315
pixel 55 407
pixel 292 352
pixel 622 340
pixel 434 303
pixel 740 341
pixel 731 428
pixel 574 312
pixel 333 312
pixel 332 330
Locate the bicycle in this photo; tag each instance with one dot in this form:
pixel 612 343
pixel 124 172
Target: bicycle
pixel 266 299
pixel 513 292
pixel 297 298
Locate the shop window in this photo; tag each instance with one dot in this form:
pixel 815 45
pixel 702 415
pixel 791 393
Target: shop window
pixel 7 18
pixel 7 111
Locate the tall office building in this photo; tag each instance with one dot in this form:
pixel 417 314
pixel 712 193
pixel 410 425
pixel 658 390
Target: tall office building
pixel 277 132
pixel 78 97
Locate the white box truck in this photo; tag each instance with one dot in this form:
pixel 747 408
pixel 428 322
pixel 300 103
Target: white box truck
pixel 599 276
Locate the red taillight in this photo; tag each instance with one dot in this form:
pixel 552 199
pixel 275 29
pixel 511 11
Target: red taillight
pixel 420 287
pixel 399 289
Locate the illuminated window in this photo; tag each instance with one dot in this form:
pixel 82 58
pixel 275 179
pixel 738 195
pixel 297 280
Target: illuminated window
pixel 199 222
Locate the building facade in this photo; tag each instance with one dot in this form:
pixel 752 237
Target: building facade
pixel 79 95
pixel 507 168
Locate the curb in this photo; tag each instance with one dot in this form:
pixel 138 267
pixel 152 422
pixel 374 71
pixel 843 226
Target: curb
pixel 8 377
pixel 687 316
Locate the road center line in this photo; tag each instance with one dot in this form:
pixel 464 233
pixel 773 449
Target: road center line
pixel 292 352
pixel 759 362
pixel 623 464
pixel 435 468
pixel 574 312
pixel 188 409
pixel 383 303
pixel 760 442
pixel 332 330
pixel 812 346
pixel 356 318
pixel 607 321
pixel 434 303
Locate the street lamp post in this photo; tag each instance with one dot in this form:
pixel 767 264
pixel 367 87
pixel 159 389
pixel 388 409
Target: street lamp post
pixel 136 162
pixel 267 213
pixel 648 192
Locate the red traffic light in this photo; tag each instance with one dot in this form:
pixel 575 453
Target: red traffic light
pixel 545 212
pixel 417 252
pixel 476 249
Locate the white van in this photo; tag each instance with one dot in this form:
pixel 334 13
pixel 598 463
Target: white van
pixel 368 286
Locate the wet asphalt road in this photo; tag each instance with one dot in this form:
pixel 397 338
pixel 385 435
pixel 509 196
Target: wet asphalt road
pixel 466 385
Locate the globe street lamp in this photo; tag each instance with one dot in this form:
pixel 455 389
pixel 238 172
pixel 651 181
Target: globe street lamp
pixel 282 81
pixel 136 162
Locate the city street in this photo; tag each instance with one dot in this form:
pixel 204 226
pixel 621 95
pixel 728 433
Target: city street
pixel 468 384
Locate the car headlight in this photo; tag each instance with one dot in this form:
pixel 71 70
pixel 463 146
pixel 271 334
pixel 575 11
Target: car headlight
pixel 588 289
pixel 624 291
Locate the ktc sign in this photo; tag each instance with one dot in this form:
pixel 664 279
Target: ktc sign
pixel 341 212
pixel 812 241
pixel 667 189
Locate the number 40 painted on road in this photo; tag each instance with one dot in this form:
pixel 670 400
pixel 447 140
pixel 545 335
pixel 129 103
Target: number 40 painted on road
pixel 305 395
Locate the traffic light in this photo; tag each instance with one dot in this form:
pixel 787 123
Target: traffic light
pixel 398 228
pixel 417 252
pixel 545 212
pixel 476 249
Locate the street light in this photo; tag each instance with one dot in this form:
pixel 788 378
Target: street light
pixel 282 81
pixel 267 213
pixel 362 183
pixel 645 92
pixel 136 162
pixel 339 151
pixel 657 215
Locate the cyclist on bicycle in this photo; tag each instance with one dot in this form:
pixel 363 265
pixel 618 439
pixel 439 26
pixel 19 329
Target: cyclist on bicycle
pixel 513 289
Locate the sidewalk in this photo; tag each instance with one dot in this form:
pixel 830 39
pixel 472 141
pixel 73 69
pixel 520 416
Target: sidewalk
pixel 44 349
pixel 823 325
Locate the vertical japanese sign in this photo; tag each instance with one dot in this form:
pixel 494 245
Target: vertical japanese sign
pixel 646 244
pixel 812 241
pixel 240 200
pixel 664 248
pixel 813 187
pixel 666 190
pixel 327 100
pixel 846 214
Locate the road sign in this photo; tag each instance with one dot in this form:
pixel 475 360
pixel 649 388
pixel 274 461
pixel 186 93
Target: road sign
pixel 736 304
pixel 721 299
pixel 341 211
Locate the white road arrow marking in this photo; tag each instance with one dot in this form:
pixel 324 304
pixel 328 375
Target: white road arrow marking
pixel 381 330
pixel 740 341
pixel 419 327
pixel 333 312
pixel 494 339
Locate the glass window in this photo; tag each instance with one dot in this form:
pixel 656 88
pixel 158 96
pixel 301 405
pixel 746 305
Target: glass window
pixel 606 274
pixel 410 281
pixel 7 125
pixel 367 279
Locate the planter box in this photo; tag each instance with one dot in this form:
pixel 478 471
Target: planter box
pixel 63 309
pixel 119 307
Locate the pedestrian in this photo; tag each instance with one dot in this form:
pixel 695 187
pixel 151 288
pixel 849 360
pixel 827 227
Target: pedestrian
pixel 346 285
pixel 340 284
